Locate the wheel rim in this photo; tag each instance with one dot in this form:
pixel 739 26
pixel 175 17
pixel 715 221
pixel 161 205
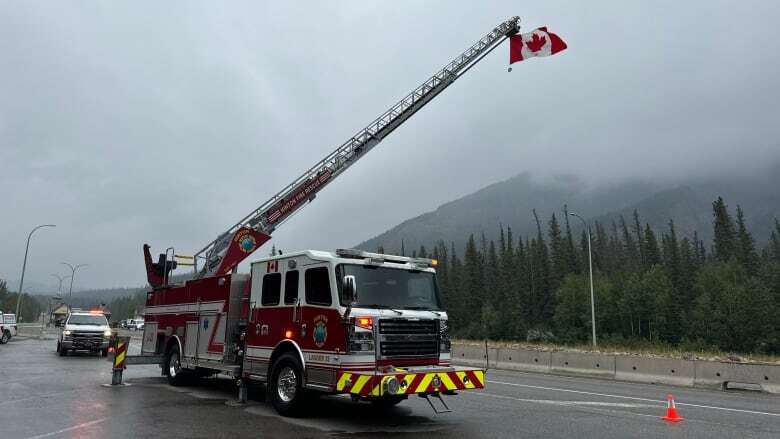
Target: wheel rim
pixel 174 365
pixel 286 384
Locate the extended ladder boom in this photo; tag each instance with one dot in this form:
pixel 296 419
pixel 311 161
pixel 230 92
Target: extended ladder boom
pixel 266 218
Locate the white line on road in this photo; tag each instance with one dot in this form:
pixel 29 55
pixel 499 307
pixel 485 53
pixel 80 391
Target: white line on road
pixel 581 392
pixel 569 403
pixel 64 430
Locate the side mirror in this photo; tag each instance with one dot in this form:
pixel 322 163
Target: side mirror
pixel 349 290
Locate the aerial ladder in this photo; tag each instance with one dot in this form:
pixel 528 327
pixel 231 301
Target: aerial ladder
pixel 223 254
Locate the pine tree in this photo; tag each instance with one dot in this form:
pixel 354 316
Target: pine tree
pixel 473 282
pixel 380 250
pixel 573 261
pixel 559 260
pixel 403 250
pixel 631 251
pixel 650 252
pixel 541 301
pixel 423 253
pixel 774 242
pixel 725 239
pixel 746 247
pixel 637 229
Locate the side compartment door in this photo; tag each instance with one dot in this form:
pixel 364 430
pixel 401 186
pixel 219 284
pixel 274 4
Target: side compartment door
pixel 191 339
pixel 149 343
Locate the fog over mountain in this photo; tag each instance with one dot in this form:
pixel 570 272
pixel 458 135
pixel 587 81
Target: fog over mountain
pixel 164 123
pixel 510 203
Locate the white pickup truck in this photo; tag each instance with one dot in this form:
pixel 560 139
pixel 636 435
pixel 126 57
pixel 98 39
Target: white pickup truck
pixel 8 327
pixel 84 331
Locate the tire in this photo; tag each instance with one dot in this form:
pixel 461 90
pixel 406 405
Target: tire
pixel 104 352
pixel 285 388
pixel 177 376
pixel 5 337
pixel 387 402
pixel 63 352
pixel 58 347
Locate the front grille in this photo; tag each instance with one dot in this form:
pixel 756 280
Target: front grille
pixel 87 337
pixel 402 326
pixel 408 338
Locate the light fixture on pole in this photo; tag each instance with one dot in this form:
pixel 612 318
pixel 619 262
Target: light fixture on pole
pixel 590 269
pixel 24 267
pixel 73 274
pixel 59 278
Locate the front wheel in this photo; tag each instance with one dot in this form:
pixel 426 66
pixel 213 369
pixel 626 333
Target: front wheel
pixel 5 337
pixel 286 386
pixel 176 374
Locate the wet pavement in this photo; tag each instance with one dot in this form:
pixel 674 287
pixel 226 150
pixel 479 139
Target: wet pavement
pixel 43 395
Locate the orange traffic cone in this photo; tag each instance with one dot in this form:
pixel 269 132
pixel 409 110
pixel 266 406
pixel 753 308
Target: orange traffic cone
pixel 671 410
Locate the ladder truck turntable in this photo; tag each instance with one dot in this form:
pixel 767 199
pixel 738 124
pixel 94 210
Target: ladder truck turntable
pixel 344 322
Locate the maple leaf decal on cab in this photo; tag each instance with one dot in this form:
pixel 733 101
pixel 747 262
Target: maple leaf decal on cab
pixel 536 43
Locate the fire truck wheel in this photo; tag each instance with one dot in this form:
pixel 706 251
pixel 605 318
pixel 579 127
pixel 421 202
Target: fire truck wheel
pixel 176 375
pixel 6 336
pixel 104 352
pixel 286 386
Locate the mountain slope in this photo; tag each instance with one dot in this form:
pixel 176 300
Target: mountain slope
pixel 510 203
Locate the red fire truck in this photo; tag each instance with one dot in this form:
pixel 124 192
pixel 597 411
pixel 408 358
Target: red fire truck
pixel 364 324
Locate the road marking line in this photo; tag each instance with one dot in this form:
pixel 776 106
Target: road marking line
pixel 64 430
pixel 569 403
pixel 581 392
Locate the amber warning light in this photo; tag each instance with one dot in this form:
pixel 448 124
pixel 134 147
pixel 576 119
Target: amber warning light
pixel 364 322
pixel 288 333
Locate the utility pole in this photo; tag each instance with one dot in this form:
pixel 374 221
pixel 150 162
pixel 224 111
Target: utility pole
pixel 24 268
pixel 590 268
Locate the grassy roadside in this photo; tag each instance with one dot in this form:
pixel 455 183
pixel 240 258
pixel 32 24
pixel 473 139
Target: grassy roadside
pixel 644 349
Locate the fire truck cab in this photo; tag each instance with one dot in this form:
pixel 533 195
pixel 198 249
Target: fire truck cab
pixel 364 324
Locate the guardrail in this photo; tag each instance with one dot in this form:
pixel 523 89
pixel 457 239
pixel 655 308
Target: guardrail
pixel 678 372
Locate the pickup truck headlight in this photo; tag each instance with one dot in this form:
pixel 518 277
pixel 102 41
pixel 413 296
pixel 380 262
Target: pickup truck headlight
pixel 67 332
pixel 107 333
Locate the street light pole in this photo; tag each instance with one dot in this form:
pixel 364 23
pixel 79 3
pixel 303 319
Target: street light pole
pixel 60 278
pixel 590 268
pixel 73 274
pixel 24 267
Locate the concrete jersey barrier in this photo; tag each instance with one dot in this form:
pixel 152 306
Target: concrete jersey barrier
pixel 652 370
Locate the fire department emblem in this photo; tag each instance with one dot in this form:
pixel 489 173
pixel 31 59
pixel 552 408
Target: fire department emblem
pixel 247 243
pixel 320 332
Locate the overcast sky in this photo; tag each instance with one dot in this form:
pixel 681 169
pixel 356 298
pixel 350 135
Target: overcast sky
pixel 166 123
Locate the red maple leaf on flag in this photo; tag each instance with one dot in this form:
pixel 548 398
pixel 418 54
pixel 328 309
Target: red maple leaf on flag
pixel 536 43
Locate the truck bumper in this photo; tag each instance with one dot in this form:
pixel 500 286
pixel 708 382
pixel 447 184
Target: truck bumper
pixel 410 382
pixel 87 346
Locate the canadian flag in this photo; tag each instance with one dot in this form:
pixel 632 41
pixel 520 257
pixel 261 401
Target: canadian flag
pixel 536 43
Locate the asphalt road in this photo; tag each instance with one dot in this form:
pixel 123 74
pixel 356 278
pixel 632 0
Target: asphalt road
pixel 45 396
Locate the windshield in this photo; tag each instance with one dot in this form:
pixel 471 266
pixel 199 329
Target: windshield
pixel 87 320
pixel 9 318
pixel 383 287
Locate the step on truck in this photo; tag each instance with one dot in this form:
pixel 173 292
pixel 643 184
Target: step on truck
pixel 346 322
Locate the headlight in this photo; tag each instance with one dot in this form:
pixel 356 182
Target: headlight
pixel 361 341
pixel 107 333
pixel 444 336
pixel 67 332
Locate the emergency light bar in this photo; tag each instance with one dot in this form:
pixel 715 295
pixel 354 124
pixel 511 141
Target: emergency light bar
pixel 376 258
